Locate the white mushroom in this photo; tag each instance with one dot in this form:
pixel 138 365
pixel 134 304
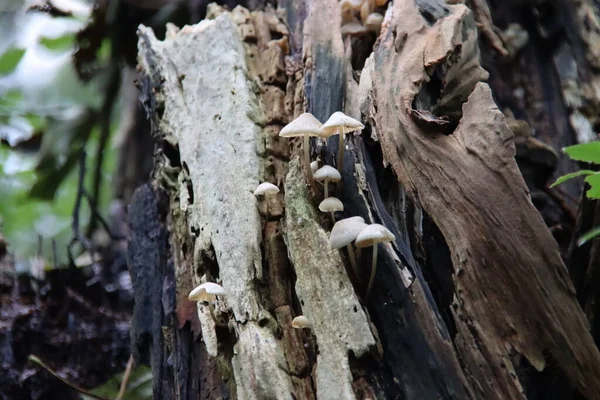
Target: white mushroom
pixel 372 235
pixel 328 174
pixel 343 233
pixel 314 166
pixel 353 28
pixel 301 322
pixel 207 292
pixel 373 22
pixel 266 188
pixel 339 123
pixel 305 125
pixel 331 204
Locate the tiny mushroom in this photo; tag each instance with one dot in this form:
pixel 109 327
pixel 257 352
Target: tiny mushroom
pixel 372 235
pixel 266 188
pixel 373 22
pixel 340 123
pixel 314 166
pixel 353 29
pixel 365 10
pixel 328 174
pixel 331 204
pixel 305 125
pixel 343 233
pixel 301 322
pixel 207 292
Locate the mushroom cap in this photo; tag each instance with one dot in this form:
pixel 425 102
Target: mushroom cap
pixel 301 322
pixel 340 123
pixel 327 172
pixel 331 204
pixel 305 124
pixel 314 166
pixel 374 234
pixel 345 231
pixel 206 292
pixel 374 21
pixel 353 28
pixel 266 188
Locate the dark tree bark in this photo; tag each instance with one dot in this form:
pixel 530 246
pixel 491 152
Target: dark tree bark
pixel 472 300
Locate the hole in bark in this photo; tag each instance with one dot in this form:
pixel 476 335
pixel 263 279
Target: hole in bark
pixel 189 186
pixel 172 153
pixel 275 35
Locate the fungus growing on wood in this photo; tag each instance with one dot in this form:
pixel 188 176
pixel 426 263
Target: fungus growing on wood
pixel 340 123
pixel 314 166
pixel 373 22
pixel 266 188
pixel 208 292
pixel 353 28
pixel 372 235
pixel 343 233
pixel 331 204
pixel 327 174
pixel 305 125
pixel 301 322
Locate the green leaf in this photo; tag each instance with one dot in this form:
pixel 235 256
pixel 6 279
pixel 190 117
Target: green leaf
pixel 139 385
pixel 9 60
pixel 60 43
pixel 11 98
pixel 566 177
pixel 588 236
pixel 594 182
pixel 588 152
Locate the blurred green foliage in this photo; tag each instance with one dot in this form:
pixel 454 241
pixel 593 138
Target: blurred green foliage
pixel 47 116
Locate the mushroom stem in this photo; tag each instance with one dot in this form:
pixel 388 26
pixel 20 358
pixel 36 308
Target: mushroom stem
pixel 353 260
pixel 326 187
pixel 373 270
pixel 333 217
pixel 307 160
pixel 213 316
pixel 340 162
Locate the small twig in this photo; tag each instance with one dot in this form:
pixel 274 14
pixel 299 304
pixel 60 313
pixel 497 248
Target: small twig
pixel 112 91
pixel 36 360
pixel 77 235
pixel 125 378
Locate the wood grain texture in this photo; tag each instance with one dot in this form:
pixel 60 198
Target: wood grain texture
pixel 469 183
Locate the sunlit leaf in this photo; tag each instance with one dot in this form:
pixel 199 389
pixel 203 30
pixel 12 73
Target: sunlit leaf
pixel 10 59
pixel 60 43
pixel 588 152
pixel 594 182
pixel 589 236
pixel 566 177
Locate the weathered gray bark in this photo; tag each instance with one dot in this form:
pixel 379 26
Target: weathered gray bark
pixel 218 93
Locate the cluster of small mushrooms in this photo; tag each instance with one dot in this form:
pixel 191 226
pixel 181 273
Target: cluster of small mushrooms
pixel 345 231
pixel 361 16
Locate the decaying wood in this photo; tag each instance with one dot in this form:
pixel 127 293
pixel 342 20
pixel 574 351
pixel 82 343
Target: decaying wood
pixel 469 184
pixel 219 92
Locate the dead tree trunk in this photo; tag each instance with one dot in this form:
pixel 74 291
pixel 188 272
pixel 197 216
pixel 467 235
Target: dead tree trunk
pixel 497 316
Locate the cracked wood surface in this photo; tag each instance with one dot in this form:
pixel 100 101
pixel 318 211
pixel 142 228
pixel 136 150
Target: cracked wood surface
pixel 469 183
